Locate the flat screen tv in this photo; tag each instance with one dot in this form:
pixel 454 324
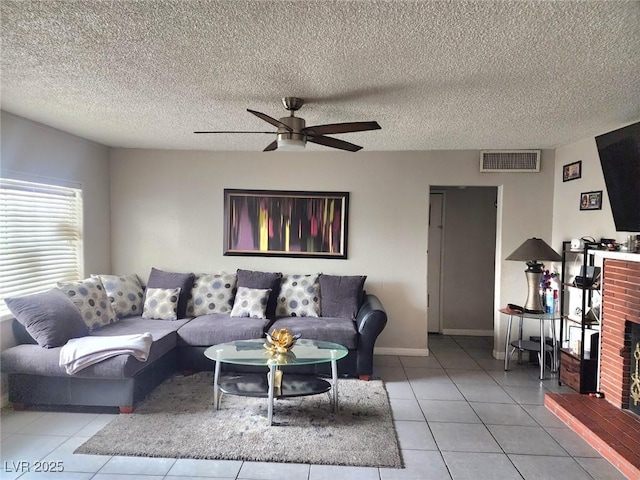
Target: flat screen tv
pixel 620 159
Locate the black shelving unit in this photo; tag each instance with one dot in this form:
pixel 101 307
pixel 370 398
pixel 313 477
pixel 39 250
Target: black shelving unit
pixel 579 327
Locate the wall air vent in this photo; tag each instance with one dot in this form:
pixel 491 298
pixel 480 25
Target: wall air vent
pixel 510 161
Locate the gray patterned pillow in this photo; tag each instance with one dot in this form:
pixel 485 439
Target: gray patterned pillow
pixel 257 279
pixel 212 293
pixel 299 296
pixel 250 302
pixel 161 304
pixel 184 281
pixel 91 299
pixel 125 293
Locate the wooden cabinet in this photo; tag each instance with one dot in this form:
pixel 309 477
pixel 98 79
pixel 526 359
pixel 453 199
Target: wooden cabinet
pixel 580 375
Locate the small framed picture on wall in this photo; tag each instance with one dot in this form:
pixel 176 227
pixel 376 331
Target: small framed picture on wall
pixel 591 200
pixel 572 171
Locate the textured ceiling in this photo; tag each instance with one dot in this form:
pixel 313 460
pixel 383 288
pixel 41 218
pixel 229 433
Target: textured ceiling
pixel 435 75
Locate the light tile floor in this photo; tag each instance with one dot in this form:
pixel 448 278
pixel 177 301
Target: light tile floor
pixel 458 415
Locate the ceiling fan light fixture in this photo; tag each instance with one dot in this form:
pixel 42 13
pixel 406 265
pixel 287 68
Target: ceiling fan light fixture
pixel 291 145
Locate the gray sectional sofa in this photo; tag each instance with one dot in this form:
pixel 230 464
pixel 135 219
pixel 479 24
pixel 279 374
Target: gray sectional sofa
pixel 36 378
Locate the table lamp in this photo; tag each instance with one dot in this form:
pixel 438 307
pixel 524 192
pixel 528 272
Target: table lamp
pixel 532 251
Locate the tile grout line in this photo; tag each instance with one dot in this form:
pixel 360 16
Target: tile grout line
pixel 485 425
pixel 537 423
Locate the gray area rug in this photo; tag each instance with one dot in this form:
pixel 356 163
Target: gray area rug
pixel 178 421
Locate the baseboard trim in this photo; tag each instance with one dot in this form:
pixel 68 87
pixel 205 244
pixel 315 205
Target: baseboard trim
pixel 498 354
pixel 470 333
pixel 404 352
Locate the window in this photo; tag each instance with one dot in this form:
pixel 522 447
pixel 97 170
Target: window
pixel 40 237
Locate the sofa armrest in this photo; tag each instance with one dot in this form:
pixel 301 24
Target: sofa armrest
pixel 370 320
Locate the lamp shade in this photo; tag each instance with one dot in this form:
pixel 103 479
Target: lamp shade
pixel 534 249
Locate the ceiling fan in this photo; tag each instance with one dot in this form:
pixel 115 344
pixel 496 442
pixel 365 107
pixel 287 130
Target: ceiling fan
pixel 292 133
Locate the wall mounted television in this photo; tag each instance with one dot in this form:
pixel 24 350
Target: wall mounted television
pixel 619 153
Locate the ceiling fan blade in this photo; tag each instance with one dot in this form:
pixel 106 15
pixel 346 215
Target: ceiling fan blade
pixel 272 121
pixel 334 143
pixel 272 146
pixel 342 128
pixel 235 131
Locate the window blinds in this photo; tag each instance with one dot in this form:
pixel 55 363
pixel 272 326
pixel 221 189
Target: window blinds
pixel 40 237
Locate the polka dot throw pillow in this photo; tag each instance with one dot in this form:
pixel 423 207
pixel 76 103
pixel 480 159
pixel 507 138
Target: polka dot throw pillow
pixel 212 293
pixel 251 302
pixel 299 296
pixel 161 304
pixel 125 294
pixel 90 297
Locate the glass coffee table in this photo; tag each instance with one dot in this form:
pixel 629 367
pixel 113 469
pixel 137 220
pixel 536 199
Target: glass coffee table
pixel 252 353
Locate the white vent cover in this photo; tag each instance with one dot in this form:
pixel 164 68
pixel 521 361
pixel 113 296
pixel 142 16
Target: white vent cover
pixel 510 161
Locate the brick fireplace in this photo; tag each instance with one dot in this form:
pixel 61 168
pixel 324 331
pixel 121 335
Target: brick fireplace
pixel 620 313
pixel 608 424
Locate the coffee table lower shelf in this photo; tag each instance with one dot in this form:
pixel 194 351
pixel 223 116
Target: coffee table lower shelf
pixel 256 385
pixel 292 385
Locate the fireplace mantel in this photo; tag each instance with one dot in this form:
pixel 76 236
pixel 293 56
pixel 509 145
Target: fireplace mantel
pixel 600 255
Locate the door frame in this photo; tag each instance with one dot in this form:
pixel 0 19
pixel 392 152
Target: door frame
pixel 497 280
pixel 441 253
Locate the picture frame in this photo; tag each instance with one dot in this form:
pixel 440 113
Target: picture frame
pixel 591 200
pixel 284 223
pixel 572 171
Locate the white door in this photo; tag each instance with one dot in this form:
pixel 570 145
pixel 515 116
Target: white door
pixel 434 261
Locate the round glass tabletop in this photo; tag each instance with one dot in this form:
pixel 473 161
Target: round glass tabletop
pixel 252 352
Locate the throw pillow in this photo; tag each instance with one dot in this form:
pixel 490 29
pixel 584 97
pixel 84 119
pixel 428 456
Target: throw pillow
pixel 270 280
pixel 161 303
pixel 341 295
pixel 212 293
pixel 250 302
pixel 91 299
pixel 299 296
pixel 125 293
pixel 49 317
pixel 183 281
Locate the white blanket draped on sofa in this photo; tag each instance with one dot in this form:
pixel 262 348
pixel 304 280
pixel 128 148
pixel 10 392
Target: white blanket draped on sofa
pixel 79 353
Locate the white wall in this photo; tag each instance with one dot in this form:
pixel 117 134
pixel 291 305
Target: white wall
pixel 167 212
pixel 568 220
pixel 32 151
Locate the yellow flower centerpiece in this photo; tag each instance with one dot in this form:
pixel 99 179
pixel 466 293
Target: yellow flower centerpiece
pixel 278 346
pixel 280 341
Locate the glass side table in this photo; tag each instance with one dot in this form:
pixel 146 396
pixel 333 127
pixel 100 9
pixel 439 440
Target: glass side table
pixel 540 347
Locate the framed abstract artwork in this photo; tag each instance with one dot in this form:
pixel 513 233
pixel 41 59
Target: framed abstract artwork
pixel 286 223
